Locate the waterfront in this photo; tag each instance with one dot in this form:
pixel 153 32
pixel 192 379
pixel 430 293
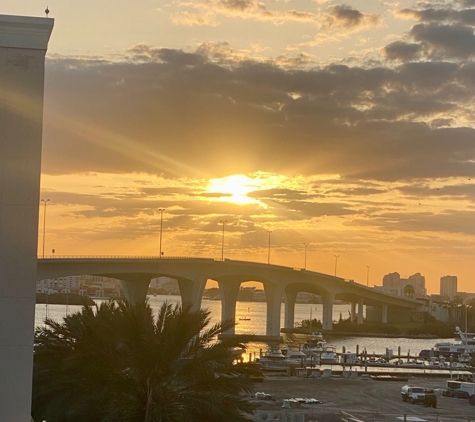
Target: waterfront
pixel 256 311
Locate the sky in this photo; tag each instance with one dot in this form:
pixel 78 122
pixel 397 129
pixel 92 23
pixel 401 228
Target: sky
pixel 345 129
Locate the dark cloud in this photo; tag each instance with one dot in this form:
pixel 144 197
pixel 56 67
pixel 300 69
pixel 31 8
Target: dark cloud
pixel 400 50
pixel 346 17
pixel 279 194
pixel 449 222
pixel 181 114
pixel 445 40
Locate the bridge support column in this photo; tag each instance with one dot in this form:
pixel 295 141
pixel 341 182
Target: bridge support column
pixel 360 310
pixel 135 287
pixel 353 312
pixel 274 300
pixel 289 302
pixel 191 291
pixel 228 292
pixel 384 313
pixel 327 317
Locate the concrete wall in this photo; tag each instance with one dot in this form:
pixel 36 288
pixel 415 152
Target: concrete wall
pixel 23 43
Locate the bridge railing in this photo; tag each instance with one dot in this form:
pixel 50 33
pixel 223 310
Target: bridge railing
pixel 151 257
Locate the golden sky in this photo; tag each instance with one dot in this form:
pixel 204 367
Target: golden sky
pixel 347 126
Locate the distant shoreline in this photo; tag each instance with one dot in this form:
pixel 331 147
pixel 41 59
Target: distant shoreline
pixel 63 299
pixel 330 333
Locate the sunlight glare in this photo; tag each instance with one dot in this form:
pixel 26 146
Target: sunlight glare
pixel 235 188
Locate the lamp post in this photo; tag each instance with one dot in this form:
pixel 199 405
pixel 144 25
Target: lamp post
pixel 367 276
pixel 45 201
pixel 223 222
pixel 161 229
pixel 268 247
pixel 336 261
pixel 305 259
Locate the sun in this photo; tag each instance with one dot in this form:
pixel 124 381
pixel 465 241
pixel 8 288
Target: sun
pixel 235 188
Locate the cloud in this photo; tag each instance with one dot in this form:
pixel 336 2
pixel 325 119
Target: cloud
pixel 400 50
pixel 346 17
pixel 175 113
pixel 207 12
pixel 445 40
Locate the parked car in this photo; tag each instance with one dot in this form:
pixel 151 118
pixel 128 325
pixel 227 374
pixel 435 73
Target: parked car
pixel 412 394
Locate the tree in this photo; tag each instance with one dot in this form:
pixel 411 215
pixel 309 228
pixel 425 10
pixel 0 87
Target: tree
pixel 117 363
pixel 409 290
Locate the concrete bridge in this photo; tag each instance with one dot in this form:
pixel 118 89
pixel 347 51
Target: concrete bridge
pixel 192 274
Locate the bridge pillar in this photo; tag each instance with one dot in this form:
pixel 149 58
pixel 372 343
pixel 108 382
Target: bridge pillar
pixel 360 310
pixel 191 291
pixel 289 302
pixel 327 317
pixel 384 313
pixel 228 292
pixel 135 287
pixel 353 311
pixel 23 44
pixel 274 300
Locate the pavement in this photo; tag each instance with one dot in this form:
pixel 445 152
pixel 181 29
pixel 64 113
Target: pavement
pixel 355 400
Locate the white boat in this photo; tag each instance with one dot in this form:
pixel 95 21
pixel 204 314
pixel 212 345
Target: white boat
pixel 294 354
pixel 329 355
pixel 466 345
pixel 275 358
pixel 314 344
pixel 465 358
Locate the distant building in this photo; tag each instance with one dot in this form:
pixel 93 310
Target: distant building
pixel 394 284
pixel 448 286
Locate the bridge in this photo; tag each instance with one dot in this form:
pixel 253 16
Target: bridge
pixel 193 273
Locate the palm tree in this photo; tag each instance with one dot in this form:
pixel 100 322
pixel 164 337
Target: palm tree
pixel 119 363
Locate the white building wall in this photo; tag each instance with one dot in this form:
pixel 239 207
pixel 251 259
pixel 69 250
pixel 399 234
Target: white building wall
pixel 448 286
pixel 23 43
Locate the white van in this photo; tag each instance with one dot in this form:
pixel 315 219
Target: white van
pixel 413 394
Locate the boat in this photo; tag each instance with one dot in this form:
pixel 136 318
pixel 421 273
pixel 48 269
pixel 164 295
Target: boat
pixel 294 354
pixel 329 355
pixel 245 318
pixel 275 358
pixel 465 345
pixel 314 344
pixel 464 358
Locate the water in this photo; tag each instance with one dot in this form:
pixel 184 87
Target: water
pixel 256 311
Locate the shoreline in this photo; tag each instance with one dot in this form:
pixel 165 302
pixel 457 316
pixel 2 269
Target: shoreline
pixel 330 333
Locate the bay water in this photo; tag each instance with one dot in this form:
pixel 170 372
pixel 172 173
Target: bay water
pixel 256 324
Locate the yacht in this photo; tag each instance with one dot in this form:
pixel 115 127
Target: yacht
pixel 329 355
pixel 314 344
pixel 465 345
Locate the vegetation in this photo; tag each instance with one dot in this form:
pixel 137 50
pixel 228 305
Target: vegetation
pixel 119 363
pixel 430 326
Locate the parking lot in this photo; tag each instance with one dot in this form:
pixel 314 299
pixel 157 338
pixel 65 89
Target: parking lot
pixel 361 399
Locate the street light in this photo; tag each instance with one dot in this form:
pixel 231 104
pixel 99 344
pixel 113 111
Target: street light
pixel 161 229
pixel 336 261
pixel 223 222
pixel 367 276
pixel 305 260
pixel 268 248
pixel 44 224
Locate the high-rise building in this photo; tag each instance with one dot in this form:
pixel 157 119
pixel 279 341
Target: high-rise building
pixel 394 284
pixel 448 285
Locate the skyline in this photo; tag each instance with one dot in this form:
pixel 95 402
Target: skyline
pixel 348 126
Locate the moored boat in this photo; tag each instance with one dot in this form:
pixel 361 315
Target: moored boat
pixel 329 355
pixel 466 345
